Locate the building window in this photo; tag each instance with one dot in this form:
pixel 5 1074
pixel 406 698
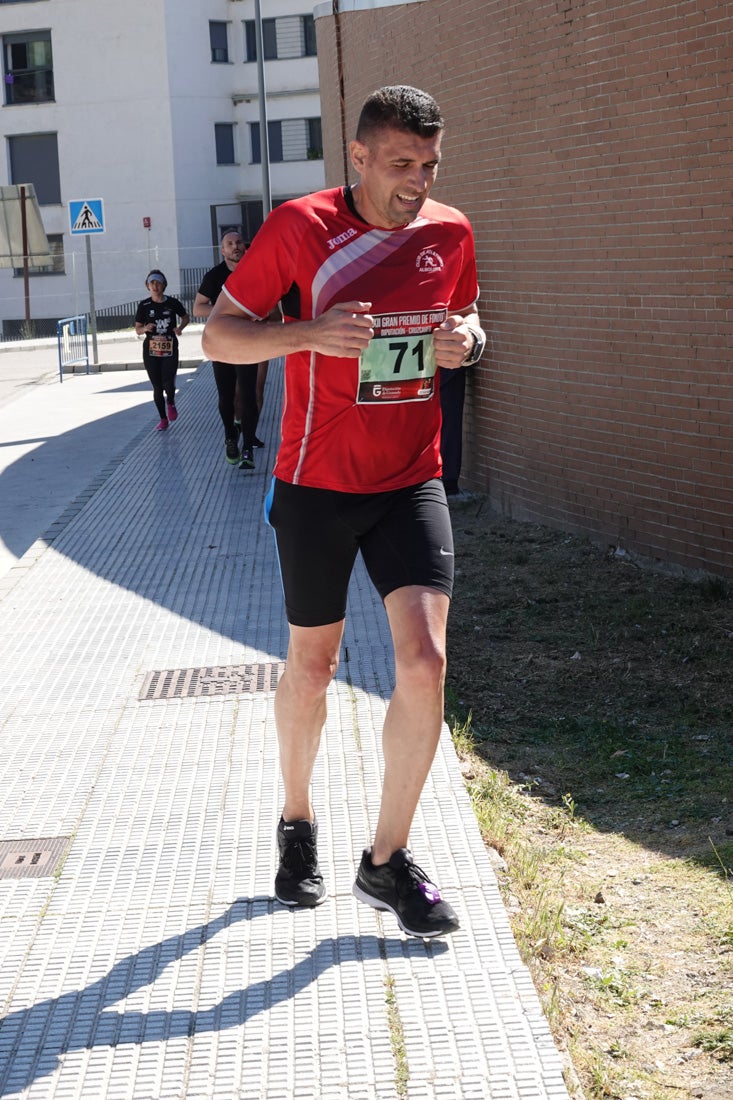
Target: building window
pixel 285 37
pixel 34 158
pixel 28 67
pixel 309 36
pixel 219 41
pixel 289 139
pixel 269 40
pixel 56 248
pixel 315 139
pixel 224 137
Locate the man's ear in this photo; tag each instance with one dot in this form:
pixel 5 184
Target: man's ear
pixel 358 153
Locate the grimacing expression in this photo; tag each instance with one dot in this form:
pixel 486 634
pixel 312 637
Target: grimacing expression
pixel 397 170
pixel 232 247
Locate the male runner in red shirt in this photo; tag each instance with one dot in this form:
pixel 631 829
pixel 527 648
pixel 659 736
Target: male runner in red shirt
pixel 377 285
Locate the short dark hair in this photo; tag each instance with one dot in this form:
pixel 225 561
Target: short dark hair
pixel 399 107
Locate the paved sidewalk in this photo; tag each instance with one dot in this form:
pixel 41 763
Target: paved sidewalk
pixel 56 437
pixel 27 364
pixel 142 954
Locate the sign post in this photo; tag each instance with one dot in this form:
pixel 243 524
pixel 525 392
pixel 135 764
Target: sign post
pixel 24 234
pixel 146 225
pixel 23 241
pixel 86 217
pixel 264 136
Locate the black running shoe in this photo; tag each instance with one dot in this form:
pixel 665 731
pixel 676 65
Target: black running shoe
pixel 299 880
pixel 247 461
pixel 404 889
pixel 259 442
pixel 232 451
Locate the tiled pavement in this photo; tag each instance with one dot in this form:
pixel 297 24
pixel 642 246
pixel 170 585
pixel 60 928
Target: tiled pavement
pixel 153 963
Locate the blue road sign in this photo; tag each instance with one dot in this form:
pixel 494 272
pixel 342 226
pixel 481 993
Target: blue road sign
pixel 86 216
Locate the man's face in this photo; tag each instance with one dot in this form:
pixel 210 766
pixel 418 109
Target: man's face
pixel 397 169
pixel 232 248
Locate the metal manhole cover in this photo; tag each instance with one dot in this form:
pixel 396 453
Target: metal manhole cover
pixel 185 683
pixel 34 858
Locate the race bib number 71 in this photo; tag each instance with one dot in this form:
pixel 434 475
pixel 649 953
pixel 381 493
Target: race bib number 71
pixel 399 364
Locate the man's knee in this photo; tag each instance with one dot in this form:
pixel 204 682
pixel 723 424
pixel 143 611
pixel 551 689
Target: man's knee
pixel 421 665
pixel 311 672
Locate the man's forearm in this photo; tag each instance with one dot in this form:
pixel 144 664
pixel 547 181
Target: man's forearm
pixel 230 339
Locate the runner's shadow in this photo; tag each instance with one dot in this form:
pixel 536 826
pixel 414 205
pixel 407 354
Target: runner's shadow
pixel 36 487
pixel 33 1039
pixel 163 515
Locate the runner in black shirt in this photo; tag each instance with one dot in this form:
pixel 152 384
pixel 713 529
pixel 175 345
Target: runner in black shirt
pixel 156 321
pixel 232 379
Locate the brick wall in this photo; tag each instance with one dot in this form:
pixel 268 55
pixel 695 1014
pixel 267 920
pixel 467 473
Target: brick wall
pixel 592 147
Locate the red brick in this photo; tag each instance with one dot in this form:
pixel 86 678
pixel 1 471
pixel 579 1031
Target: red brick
pixel 592 148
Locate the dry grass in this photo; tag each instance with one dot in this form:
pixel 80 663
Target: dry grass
pixel 592 703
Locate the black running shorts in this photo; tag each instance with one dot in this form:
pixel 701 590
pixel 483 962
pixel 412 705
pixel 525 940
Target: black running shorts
pixel 404 536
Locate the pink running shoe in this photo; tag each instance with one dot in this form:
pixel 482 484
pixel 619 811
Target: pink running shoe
pixel 162 425
pixel 172 412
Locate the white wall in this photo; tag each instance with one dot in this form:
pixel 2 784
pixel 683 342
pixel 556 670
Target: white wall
pixel 111 146
pixel 136 103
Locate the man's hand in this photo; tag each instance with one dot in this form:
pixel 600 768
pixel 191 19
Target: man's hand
pixel 230 337
pixel 453 341
pixel 343 330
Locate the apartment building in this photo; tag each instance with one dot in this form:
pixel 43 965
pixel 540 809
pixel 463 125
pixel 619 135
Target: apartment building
pixel 153 107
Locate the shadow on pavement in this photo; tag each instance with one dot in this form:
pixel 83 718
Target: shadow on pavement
pixel 79 1020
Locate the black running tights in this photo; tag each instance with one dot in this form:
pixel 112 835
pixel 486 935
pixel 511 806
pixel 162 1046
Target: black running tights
pixel 162 375
pixel 243 378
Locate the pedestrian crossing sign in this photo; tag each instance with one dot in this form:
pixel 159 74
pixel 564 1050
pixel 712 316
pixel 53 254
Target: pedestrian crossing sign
pixel 86 216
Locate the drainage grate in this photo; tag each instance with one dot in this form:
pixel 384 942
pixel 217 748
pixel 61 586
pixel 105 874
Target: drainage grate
pixel 35 858
pixel 183 683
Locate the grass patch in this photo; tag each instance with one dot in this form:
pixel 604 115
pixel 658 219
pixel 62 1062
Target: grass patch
pixel 396 1038
pixel 591 705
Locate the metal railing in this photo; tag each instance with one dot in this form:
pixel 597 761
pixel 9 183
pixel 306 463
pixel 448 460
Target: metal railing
pixel 109 318
pixel 71 333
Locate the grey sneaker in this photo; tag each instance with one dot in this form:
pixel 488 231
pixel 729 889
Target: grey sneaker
pixel 299 880
pixel 403 888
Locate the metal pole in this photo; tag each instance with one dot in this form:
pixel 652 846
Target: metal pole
pixel 92 310
pixel 264 137
pixel 342 89
pixel 24 234
pixel 74 283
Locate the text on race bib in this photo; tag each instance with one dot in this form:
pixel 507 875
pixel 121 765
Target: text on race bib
pixel 399 364
pixel 161 345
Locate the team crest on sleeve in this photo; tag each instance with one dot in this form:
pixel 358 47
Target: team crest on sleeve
pixel 428 261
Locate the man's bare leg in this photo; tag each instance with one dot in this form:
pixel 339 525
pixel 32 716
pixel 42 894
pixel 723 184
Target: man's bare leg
pixel 387 876
pixel 300 710
pixel 417 618
pixel 300 713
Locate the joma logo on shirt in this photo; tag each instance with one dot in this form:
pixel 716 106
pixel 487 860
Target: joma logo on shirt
pixel 341 239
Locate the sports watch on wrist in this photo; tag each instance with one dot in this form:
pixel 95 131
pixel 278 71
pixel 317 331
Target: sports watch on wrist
pixel 479 343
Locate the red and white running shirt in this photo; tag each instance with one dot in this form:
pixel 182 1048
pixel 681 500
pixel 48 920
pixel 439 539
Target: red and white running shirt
pixel 370 424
